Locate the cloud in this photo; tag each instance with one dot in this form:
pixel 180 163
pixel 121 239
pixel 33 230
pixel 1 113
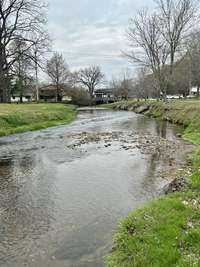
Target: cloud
pixel 90 32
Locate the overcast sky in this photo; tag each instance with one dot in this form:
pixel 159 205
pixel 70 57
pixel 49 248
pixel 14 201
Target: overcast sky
pixel 92 32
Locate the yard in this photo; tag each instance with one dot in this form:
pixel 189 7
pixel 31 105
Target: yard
pixel 17 118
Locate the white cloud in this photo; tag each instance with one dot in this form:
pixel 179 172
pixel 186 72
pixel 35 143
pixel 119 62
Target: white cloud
pixel 92 32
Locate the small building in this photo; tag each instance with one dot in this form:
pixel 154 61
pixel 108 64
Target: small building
pixel 172 97
pixel 49 93
pixel 105 95
pixel 16 98
pixel 193 91
pixel 27 95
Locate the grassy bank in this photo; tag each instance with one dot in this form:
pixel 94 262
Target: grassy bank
pixel 29 117
pixel 186 113
pixel 166 233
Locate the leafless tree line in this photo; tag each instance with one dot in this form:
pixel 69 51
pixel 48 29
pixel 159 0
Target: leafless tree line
pixel 158 39
pixel 61 77
pixel 163 43
pixel 23 39
pixel 24 42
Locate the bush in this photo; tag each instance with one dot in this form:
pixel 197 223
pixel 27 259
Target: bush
pixel 81 97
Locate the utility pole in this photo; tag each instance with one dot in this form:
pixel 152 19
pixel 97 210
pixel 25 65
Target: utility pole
pixel 36 77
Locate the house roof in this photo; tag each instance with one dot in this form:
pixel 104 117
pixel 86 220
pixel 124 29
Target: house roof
pixel 52 89
pixel 104 91
pixel 48 88
pixel 24 94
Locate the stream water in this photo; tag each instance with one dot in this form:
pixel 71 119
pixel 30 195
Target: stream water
pixel 64 189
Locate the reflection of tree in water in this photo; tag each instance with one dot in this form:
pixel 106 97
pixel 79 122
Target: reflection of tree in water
pixel 165 129
pixel 141 124
pixel 161 129
pixel 26 163
pixel 5 170
pixel 25 217
pixel 149 182
pixel 87 241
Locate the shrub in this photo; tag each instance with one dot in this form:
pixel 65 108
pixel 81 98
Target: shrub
pixel 81 97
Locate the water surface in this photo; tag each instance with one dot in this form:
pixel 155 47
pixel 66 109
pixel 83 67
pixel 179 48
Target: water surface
pixel 60 202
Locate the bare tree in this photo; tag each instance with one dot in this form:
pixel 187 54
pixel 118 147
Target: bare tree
pixel 194 59
pixel 40 48
pixel 19 20
pixel 148 47
pixel 182 77
pixel 58 72
pixel 30 58
pixel 156 39
pixel 21 68
pixel 125 87
pixel 89 77
pixel 115 86
pixel 175 22
pixel 122 88
pixel 142 89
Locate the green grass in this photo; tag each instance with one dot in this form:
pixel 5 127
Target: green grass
pixel 165 233
pixel 29 117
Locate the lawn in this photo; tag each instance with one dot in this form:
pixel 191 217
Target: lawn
pixel 17 118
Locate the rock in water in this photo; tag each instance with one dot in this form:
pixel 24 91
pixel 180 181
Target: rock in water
pixel 142 109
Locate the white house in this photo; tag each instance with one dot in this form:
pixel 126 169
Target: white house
pixel 25 99
pixel 193 91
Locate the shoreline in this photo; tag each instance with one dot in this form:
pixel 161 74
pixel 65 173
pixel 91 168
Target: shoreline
pixel 185 113
pixel 165 232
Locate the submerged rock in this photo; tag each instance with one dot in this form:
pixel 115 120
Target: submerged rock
pixel 107 145
pixel 179 135
pixel 175 186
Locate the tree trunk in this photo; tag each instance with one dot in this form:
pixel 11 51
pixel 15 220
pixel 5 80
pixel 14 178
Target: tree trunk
pixel 21 98
pixel 4 77
pixel 198 91
pixel 171 65
pixel 36 79
pixel 164 95
pixel 91 92
pixel 57 92
pixel 5 90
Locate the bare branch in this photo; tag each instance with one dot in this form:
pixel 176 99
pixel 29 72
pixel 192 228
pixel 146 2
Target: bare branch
pixel 20 21
pixel 148 47
pixel 90 78
pixel 58 72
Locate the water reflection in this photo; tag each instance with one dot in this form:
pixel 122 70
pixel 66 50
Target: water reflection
pixel 25 215
pixel 85 241
pixel 5 170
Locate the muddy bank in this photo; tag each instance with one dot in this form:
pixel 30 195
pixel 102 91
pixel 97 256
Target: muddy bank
pixel 139 108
